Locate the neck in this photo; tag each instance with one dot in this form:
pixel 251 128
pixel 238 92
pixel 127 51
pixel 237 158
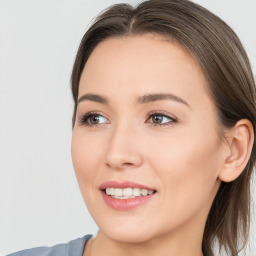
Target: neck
pixel 161 246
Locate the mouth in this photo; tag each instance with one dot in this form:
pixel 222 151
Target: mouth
pixel 126 195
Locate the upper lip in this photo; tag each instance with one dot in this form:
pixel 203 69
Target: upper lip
pixel 123 184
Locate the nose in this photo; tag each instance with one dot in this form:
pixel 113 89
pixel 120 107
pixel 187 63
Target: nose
pixel 123 149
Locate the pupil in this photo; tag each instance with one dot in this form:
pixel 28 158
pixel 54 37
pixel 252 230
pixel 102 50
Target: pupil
pixel 158 119
pixel 94 120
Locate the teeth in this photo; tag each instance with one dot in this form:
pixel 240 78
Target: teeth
pixel 136 192
pixel 112 191
pixel 144 192
pixel 118 192
pixel 126 193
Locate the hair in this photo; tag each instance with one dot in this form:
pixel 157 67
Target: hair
pixel 230 83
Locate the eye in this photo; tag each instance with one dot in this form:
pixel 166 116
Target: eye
pixel 92 119
pixel 161 119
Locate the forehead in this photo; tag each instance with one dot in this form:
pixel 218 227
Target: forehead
pixel 142 64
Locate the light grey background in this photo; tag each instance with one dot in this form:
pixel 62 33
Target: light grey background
pixel 40 203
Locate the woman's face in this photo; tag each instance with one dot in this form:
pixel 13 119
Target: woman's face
pixel 144 124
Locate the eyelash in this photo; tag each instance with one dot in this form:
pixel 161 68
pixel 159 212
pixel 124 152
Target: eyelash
pixel 84 119
pixel 162 114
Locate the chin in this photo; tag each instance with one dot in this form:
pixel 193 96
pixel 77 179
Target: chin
pixel 129 237
pixel 129 233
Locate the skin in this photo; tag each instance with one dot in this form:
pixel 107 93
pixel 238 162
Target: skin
pixel 182 160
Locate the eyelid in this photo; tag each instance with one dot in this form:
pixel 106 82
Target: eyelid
pixel 173 118
pixel 82 119
pixel 161 112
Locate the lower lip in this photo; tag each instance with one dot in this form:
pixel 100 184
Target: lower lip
pixel 126 204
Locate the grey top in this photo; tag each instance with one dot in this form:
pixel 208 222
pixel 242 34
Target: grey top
pixel 72 248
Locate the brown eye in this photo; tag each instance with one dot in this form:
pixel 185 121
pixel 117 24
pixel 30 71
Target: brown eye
pixel 161 119
pixel 157 119
pixel 92 119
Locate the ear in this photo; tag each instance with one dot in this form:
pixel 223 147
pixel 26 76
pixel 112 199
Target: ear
pixel 240 142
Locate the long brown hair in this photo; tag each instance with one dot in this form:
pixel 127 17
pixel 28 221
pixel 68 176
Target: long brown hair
pixel 230 82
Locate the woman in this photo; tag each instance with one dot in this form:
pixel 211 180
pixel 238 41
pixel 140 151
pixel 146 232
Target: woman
pixel 163 133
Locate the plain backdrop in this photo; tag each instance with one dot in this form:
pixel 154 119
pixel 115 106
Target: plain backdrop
pixel 40 202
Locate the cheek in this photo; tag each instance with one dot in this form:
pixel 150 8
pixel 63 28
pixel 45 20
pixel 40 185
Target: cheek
pixel 85 156
pixel 187 165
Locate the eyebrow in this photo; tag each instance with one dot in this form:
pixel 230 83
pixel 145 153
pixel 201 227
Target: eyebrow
pixel 161 96
pixel 141 100
pixel 93 97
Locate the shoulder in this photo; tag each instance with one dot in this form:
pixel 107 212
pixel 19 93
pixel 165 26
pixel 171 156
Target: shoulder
pixel 72 248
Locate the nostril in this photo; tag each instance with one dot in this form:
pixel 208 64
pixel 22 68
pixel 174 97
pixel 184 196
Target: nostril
pixel 119 166
pixel 128 164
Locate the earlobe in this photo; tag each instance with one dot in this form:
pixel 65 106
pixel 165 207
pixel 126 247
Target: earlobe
pixel 240 146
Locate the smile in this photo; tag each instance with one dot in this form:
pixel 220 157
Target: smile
pixel 125 195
